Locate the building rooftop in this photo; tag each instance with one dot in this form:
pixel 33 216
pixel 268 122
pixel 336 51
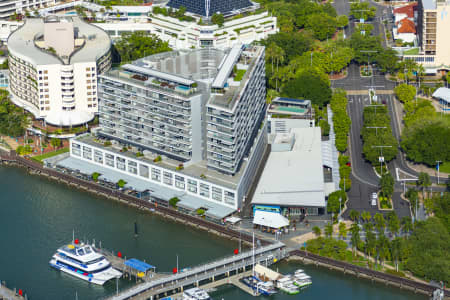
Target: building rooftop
pixel 200 7
pixel 197 170
pixel 21 43
pixel 291 108
pixel 407 9
pixel 228 85
pixel 294 177
pixel 406 26
pixel 429 4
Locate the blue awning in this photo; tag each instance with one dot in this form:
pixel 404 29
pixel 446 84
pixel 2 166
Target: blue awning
pixel 138 265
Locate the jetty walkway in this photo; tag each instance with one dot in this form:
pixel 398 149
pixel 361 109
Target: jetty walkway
pixel 204 274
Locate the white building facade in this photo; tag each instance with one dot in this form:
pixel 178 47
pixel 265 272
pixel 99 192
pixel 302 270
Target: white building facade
pixel 53 67
pixel 187 35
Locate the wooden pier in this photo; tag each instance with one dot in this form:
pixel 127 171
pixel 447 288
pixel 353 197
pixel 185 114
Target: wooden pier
pixel 8 294
pixel 234 280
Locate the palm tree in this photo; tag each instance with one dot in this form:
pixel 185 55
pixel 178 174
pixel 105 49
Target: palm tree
pixel 366 216
pixel 355 238
pixel 393 223
pixel 342 230
pixel 369 246
pixel 317 231
pixel 380 223
pixel 396 249
pixel 271 52
pixel 424 182
pixel 328 230
pixel 382 248
pixel 354 215
pixel 407 225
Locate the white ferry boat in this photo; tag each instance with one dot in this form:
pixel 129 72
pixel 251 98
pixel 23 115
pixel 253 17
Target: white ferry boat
pixel 82 261
pixel 195 294
pixel 301 279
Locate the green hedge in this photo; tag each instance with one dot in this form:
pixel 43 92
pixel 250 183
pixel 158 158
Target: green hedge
pixel 341 120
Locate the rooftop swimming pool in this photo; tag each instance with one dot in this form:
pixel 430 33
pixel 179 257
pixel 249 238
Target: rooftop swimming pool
pixel 289 109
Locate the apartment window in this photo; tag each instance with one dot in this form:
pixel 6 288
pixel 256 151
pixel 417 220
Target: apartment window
pixel 87 152
pixel 229 198
pixel 143 170
pixel 87 69
pixel 156 174
pixel 120 163
pixel 192 186
pixel 216 194
pixel 204 190
pixel 132 167
pixel 46 96
pixel 88 81
pixel 167 178
pixel 179 182
pixel 98 156
pixel 76 149
pixel 46 72
pixel 40 72
pixel 88 75
pixel 45 77
pixel 89 87
pixel 109 160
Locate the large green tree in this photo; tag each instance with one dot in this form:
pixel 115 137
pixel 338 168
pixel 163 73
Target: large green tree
pixel 362 10
pixel 138 44
pixel 310 84
pixel 322 25
pixel 427 143
pixel 387 185
pixel 13 119
pixel 405 92
pixel 430 248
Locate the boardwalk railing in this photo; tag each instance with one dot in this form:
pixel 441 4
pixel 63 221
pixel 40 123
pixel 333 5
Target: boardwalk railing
pixel 392 279
pixel 106 191
pixel 205 271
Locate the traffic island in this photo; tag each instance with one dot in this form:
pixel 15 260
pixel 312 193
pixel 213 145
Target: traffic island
pixel 365 71
pixel 385 203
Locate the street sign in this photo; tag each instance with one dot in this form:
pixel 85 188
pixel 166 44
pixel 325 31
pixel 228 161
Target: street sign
pixel 381 158
pixel 363 32
pixel 361 20
pixel 437 167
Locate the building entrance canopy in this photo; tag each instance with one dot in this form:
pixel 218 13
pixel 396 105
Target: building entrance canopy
pixel 270 219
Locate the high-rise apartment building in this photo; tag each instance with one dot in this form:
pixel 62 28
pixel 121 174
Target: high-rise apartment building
pixel 53 64
pixel 432 28
pixel 188 124
pixel 197 105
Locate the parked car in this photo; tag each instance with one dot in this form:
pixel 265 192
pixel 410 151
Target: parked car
pixel 374 198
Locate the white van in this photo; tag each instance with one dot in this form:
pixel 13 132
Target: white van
pixel 374 199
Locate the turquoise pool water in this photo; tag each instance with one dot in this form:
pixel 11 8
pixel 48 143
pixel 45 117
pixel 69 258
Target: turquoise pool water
pixel 291 109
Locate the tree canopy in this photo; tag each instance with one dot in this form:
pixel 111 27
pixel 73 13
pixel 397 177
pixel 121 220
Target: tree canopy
pixel 362 10
pixel 13 119
pixel 309 84
pixel 138 44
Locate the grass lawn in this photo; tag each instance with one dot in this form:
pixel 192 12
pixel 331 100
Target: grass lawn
pixel 40 158
pixel 413 51
pixel 445 167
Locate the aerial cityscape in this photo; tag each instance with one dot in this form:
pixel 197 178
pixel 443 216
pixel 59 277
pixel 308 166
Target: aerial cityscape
pixel 210 149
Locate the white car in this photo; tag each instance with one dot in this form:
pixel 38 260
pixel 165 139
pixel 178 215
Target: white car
pixel 374 199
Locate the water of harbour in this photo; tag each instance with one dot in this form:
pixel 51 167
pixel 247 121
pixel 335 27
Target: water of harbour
pixel 37 216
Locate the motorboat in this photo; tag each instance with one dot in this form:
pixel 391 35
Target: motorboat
pixel 301 280
pixel 263 287
pixel 195 294
pixel 83 262
pixel 286 284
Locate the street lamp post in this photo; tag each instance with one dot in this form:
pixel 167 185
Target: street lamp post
pixel 381 156
pixel 438 162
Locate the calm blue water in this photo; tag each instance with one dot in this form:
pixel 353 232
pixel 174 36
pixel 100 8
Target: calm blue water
pixel 37 216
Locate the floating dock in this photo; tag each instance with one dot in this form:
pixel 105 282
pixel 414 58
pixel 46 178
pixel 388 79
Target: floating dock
pixel 8 294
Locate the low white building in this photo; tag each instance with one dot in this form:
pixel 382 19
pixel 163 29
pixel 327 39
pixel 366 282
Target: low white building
pixel 292 182
pixel 53 64
pixel 186 35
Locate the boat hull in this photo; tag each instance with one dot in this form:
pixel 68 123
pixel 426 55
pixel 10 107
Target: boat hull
pixel 92 279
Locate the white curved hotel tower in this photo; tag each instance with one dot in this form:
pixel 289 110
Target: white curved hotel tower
pixel 53 64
